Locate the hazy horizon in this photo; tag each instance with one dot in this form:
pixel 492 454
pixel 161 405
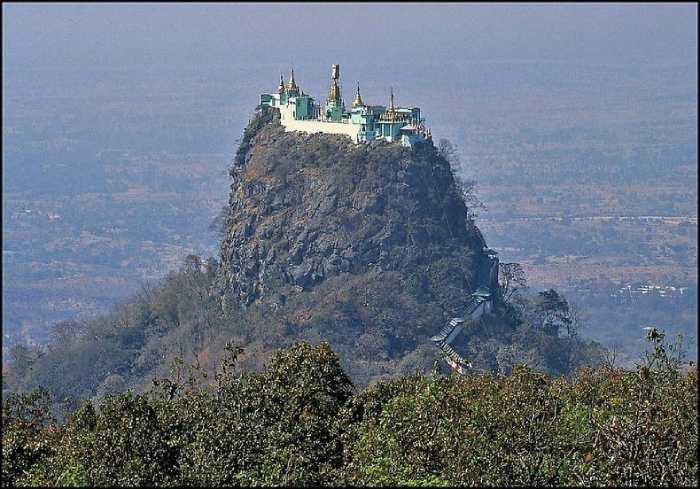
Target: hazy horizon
pixel 109 35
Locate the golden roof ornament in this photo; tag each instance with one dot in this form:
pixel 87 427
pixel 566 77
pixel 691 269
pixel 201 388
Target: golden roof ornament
pixel 334 89
pixel 280 87
pixel 358 98
pixel 390 114
pixel 292 85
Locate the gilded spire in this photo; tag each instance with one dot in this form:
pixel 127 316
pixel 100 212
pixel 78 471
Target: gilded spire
pixel 292 85
pixel 358 98
pixel 334 91
pixel 390 114
pixel 280 87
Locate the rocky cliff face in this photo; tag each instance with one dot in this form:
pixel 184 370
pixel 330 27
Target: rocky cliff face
pixel 366 246
pixel 304 208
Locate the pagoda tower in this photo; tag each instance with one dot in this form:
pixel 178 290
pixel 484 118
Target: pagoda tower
pixel 292 88
pixel 358 98
pixel 334 102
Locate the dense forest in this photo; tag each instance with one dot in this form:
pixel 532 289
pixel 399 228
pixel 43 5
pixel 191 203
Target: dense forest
pixel 301 422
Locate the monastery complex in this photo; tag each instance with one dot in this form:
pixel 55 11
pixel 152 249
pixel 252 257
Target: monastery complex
pixel 362 123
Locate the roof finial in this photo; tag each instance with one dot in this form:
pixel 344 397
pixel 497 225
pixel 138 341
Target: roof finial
pixel 358 98
pixel 292 85
pixel 391 114
pixel 280 87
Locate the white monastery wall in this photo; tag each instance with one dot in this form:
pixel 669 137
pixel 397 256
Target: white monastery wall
pixel 313 126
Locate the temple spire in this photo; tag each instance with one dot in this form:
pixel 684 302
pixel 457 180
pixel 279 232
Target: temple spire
pixel 391 114
pixel 292 85
pixel 358 98
pixel 334 89
pixel 280 87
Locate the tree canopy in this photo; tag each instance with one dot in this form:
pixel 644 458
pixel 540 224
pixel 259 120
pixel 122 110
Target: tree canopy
pixel 301 422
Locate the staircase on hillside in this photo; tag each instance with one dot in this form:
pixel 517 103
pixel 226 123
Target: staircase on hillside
pixel 480 302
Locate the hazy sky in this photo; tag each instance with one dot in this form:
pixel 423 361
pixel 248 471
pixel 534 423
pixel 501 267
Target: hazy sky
pixel 119 35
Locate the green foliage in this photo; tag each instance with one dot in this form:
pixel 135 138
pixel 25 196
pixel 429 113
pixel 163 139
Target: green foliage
pixel 273 428
pixel 73 475
pixel 25 441
pixel 129 445
pixel 299 423
pixel 122 349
